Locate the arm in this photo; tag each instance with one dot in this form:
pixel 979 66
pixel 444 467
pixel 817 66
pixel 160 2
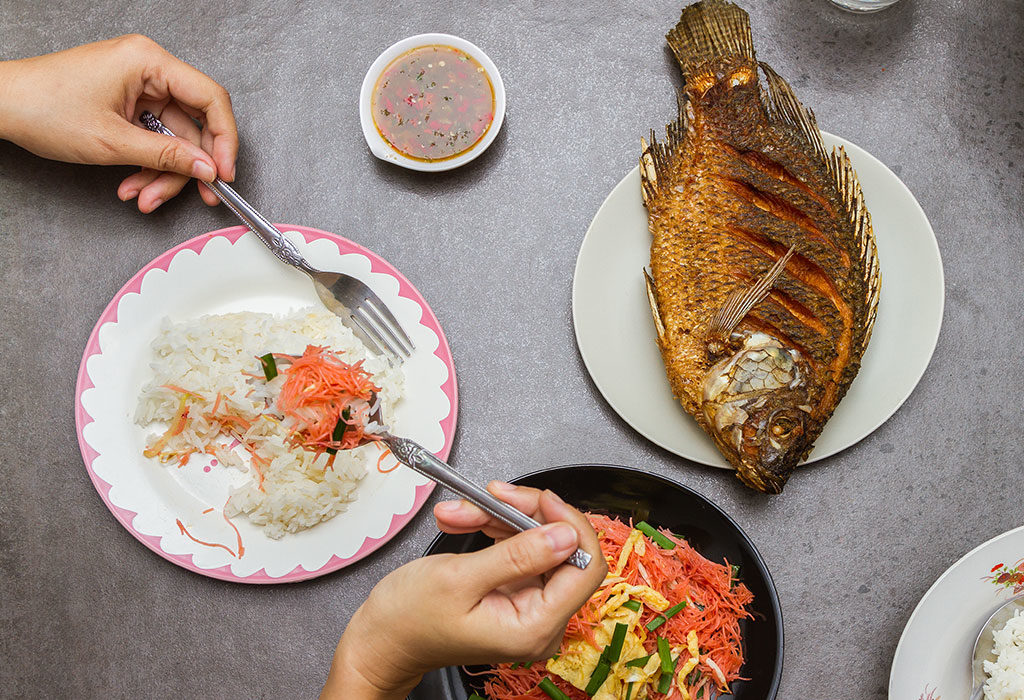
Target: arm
pixel 508 602
pixel 82 106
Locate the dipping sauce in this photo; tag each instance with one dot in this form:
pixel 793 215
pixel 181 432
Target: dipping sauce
pixel 433 103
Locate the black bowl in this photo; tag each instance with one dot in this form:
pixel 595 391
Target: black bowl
pixel 628 492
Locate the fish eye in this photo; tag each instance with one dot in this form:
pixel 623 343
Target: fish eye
pixel 740 76
pixel 782 426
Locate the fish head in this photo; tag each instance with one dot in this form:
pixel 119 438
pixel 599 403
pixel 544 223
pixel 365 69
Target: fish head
pixel 756 402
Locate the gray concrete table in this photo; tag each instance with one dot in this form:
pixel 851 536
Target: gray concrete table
pixel 931 87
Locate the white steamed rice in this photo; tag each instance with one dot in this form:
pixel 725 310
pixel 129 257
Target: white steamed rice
pixel 208 356
pixel 1006 673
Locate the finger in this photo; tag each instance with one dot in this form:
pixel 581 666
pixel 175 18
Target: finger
pixel 181 123
pixel 195 89
pixel 207 143
pixel 207 194
pixel 165 186
pixel 134 145
pixel 521 556
pixel 466 517
pixel 175 119
pixel 133 184
pixel 568 587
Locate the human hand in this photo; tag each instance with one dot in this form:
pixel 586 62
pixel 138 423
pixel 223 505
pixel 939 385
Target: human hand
pixel 82 106
pixel 508 602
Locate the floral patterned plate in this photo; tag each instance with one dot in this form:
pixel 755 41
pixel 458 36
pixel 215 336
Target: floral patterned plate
pixel 933 658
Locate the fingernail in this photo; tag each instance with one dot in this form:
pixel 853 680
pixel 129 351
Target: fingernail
pixel 561 537
pixel 130 194
pixel 231 176
pixel 555 496
pixel 502 486
pixel 449 506
pixel 202 170
pixel 156 204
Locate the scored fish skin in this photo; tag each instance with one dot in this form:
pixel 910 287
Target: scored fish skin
pixel 759 353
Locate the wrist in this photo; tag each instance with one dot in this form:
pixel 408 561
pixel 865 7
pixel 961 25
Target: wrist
pixel 7 99
pixel 14 90
pixel 359 672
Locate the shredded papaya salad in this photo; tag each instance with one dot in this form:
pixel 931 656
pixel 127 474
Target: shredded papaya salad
pixel 664 625
pixel 328 399
pixel 323 402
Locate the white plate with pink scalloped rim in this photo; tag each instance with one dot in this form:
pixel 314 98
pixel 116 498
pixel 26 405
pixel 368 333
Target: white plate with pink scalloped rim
pixel 615 333
pixel 933 657
pixel 177 513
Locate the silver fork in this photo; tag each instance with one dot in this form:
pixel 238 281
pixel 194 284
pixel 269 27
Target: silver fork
pixel 356 304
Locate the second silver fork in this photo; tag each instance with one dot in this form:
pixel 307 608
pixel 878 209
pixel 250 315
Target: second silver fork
pixel 349 298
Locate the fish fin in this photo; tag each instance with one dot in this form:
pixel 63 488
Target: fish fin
pixel 708 30
pixel 648 174
pixel 849 189
pixel 656 156
pixel 653 301
pixel 783 106
pixel 743 299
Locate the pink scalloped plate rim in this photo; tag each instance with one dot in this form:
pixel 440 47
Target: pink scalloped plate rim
pixel 299 573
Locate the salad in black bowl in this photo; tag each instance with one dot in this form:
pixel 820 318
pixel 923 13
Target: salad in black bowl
pixel 688 610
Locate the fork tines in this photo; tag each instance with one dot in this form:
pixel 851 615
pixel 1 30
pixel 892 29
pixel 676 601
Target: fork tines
pixel 381 327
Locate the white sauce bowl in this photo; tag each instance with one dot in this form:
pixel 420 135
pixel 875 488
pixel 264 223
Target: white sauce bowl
pixel 381 148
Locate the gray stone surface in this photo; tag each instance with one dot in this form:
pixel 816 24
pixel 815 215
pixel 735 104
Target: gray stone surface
pixel 931 87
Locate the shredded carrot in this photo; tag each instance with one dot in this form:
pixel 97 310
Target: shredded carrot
pixel 241 547
pixel 180 390
pixel 716 604
pixel 380 459
pixel 179 424
pixel 317 390
pixel 232 418
pixel 216 404
pixel 208 510
pixel 205 544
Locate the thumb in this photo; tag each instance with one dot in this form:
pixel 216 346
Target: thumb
pixel 526 554
pixel 135 145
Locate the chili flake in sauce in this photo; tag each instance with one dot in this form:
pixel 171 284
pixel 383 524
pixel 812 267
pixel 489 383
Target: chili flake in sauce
pixel 433 103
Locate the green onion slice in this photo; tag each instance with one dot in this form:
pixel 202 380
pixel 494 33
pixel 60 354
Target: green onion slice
pixel 614 650
pixel 552 690
pixel 339 430
pixel 633 605
pixel 656 537
pixel 663 618
pixel 640 662
pixel 598 678
pixel 665 654
pixel 666 679
pixel 269 366
pixel 629 691
pixel 476 696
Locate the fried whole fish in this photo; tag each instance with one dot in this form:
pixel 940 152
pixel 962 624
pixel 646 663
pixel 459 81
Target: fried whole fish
pixel 764 273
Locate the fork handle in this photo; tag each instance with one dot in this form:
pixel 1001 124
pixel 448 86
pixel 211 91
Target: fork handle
pixel 256 222
pixel 420 459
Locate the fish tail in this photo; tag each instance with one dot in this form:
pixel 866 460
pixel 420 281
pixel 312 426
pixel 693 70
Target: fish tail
pixel 709 30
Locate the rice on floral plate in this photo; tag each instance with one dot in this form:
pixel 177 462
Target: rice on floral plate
pixel 933 657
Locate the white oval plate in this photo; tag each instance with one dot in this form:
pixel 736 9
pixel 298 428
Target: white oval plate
pixel 220 272
pixel 933 658
pixel 615 332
